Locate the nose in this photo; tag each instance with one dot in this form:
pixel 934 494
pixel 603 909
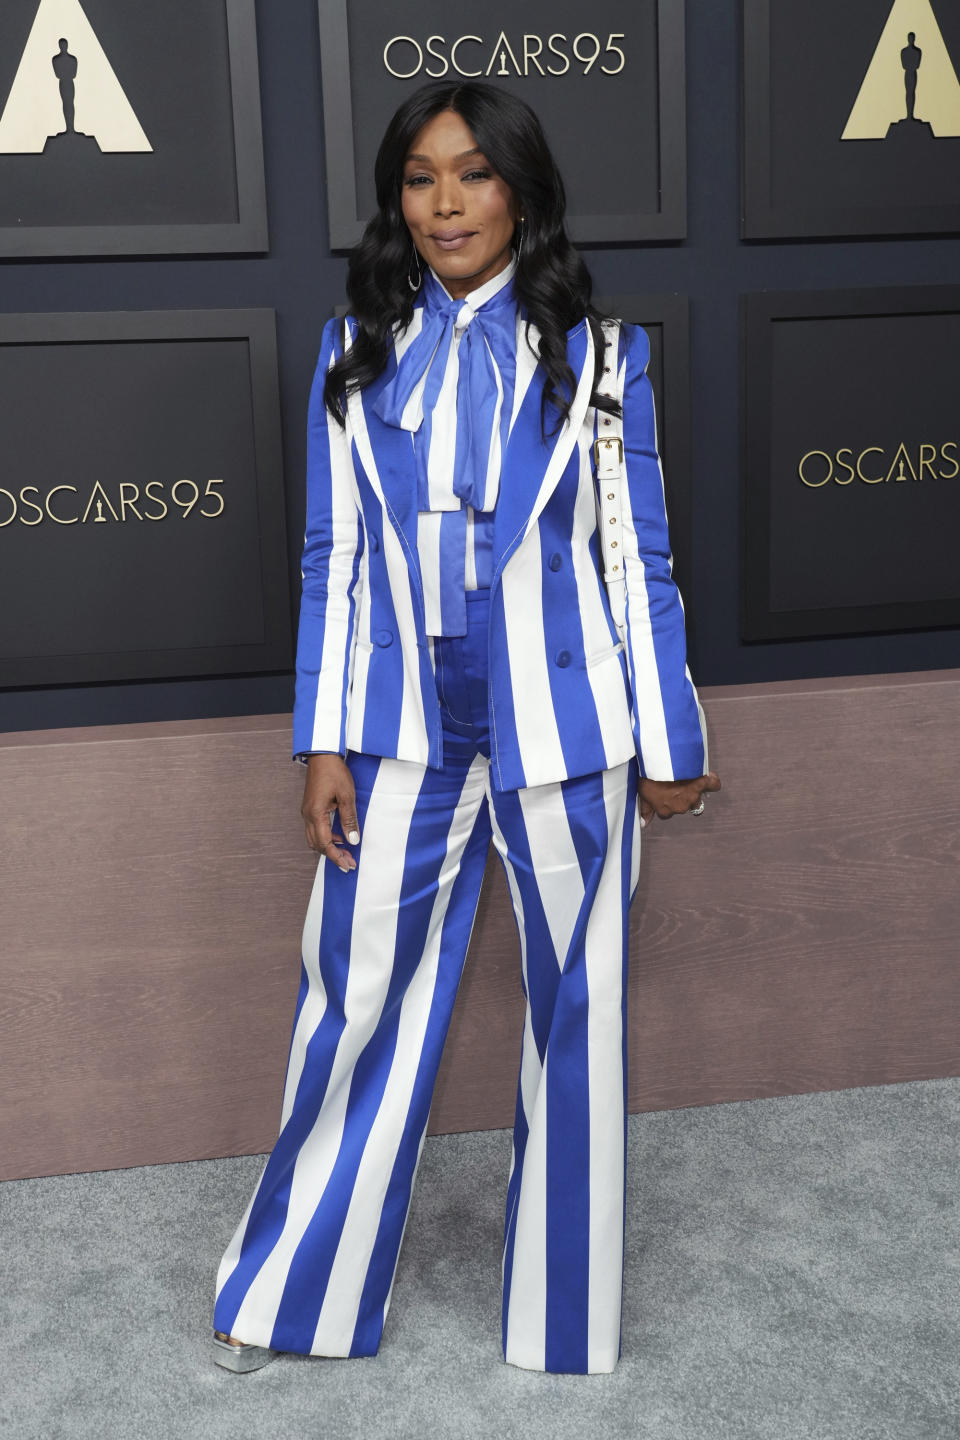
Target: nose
pixel 446 198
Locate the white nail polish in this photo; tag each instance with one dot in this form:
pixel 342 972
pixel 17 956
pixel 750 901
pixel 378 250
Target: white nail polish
pixel 354 837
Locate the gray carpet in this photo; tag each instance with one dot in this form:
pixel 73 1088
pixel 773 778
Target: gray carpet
pixel 793 1271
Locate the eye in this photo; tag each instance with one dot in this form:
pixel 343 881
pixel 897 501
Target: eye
pixel 477 175
pixel 413 180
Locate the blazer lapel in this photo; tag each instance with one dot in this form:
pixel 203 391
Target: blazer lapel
pixel 387 452
pixel 532 466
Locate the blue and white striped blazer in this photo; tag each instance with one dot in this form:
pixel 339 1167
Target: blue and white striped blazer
pixel 567 696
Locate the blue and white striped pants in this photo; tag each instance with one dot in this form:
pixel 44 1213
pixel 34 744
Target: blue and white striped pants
pixel 312 1263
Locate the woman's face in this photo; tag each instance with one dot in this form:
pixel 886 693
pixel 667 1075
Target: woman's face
pixel 459 212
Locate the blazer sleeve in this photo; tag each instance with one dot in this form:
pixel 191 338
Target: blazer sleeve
pixel 331 573
pixel 668 721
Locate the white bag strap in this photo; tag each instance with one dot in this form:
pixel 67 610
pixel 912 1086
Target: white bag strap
pixel 608 458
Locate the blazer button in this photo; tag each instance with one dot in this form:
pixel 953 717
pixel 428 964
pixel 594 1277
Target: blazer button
pixel 374 543
pixel 383 638
pixel 555 561
pixel 563 659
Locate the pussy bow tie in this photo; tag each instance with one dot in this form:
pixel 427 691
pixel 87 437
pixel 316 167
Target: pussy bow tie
pixel 484 354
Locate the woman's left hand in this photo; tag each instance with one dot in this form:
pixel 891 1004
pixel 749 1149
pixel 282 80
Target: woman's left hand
pixel 674 797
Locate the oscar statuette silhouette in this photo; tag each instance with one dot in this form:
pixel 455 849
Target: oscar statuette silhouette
pixel 72 140
pixel 911 58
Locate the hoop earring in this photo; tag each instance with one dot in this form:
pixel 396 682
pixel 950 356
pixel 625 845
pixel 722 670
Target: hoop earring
pixel 415 286
pixel 523 231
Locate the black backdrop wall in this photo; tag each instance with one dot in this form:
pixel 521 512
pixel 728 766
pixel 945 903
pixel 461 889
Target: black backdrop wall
pixel 302 281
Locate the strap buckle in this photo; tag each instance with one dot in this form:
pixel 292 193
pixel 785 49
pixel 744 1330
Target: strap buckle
pixel 607 441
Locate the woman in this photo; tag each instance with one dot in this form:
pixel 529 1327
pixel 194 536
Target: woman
pixel 461 677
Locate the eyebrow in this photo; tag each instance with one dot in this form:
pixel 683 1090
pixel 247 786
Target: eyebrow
pixel 426 160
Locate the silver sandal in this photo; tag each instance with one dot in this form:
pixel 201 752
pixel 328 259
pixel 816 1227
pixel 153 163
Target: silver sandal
pixel 236 1356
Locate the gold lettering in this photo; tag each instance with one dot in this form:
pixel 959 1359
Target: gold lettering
pixel 530 54
pixel 436 74
pixel 186 508
pixel 559 54
pixel 845 451
pixel 185 493
pixel 53 492
pixel 616 50
pixel 211 494
pixel 501 49
pixel 33 505
pixel 474 40
pixel 950 445
pixel 156 500
pixel 124 502
pixel 870 450
pixel 927 463
pixel 586 48
pixel 401 40
pixel 587 61
pixel 100 503
pixel 902 458
pixel 815 484
pixel 902 468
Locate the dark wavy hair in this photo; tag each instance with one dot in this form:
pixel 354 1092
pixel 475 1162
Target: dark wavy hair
pixel 552 284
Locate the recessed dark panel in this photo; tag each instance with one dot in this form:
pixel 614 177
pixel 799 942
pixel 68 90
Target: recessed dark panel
pixel 128 129
pixel 851 117
pixel 608 82
pixel 141 497
pixel 852 485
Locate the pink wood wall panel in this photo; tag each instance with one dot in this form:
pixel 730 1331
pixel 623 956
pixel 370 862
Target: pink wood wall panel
pixel 801 935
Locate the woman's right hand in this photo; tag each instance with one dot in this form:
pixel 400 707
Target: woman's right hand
pixel 329 787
